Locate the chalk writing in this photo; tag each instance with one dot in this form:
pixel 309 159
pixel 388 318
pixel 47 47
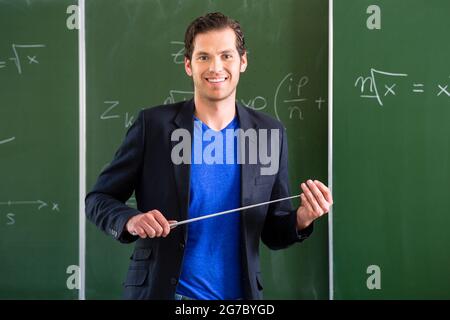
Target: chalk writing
pixel 19 51
pixel 257 103
pixel 178 95
pixel 289 95
pixel 108 114
pixel 178 57
pixel 39 203
pixel 371 87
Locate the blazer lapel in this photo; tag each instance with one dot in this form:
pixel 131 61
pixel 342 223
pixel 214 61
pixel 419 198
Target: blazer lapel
pixel 248 174
pixel 248 171
pixel 184 120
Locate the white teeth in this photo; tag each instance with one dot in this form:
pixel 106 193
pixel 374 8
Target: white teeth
pixel 216 80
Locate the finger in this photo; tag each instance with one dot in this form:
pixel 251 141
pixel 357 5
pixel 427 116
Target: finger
pixel 311 199
pixel 154 224
pixel 163 222
pixel 157 228
pixel 306 203
pixel 130 226
pixel 140 232
pixel 319 196
pixel 132 230
pixel 149 230
pixel 325 190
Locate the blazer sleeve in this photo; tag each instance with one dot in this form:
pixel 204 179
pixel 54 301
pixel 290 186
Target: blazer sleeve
pixel 280 227
pixel 105 203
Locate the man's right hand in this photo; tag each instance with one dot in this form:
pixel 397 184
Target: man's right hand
pixel 150 224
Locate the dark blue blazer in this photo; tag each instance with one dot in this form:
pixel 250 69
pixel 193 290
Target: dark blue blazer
pixel 143 164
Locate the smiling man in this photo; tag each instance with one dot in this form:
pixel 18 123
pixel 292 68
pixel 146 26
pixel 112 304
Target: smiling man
pixel 215 258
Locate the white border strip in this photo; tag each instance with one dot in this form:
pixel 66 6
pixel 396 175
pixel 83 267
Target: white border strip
pixel 82 147
pixel 330 146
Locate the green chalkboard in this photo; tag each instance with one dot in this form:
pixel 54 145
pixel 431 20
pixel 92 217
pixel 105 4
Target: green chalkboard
pixel 391 169
pixel 134 60
pixel 38 151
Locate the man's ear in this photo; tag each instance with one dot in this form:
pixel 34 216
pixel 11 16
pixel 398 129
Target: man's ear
pixel 187 66
pixel 244 62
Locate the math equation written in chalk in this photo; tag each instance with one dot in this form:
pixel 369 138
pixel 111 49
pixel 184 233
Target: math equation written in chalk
pixel 379 85
pixel 22 55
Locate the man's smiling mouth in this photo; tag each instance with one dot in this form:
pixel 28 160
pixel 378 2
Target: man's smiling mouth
pixel 217 79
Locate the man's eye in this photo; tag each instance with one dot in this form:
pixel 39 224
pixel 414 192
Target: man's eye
pixel 228 56
pixel 202 58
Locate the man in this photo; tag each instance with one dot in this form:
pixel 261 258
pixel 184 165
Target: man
pixel 215 258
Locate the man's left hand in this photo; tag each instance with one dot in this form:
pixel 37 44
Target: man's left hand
pixel 316 201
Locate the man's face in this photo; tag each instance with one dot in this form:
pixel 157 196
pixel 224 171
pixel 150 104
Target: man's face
pixel 215 65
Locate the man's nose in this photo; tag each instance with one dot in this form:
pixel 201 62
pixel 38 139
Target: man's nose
pixel 216 65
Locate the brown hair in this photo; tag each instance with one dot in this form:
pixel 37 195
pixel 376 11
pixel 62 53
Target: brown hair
pixel 208 22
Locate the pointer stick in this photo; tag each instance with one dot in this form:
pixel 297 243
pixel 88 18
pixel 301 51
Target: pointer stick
pixel 173 225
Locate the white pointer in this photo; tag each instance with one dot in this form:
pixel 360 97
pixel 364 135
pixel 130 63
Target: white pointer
pixel 173 225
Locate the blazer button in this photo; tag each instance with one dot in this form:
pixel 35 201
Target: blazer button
pixel 181 246
pixel 173 281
